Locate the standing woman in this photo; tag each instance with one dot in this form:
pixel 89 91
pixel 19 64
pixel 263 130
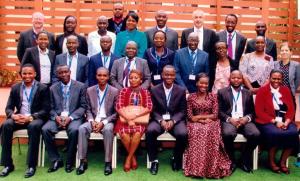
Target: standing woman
pixel 131 34
pixel 70 24
pixel 158 56
pixel 205 155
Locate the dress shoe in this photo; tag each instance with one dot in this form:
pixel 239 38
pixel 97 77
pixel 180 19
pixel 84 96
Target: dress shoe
pixel 55 166
pixel 232 167
pixel 107 168
pixel 69 168
pixel 6 170
pixel 154 168
pixel 82 167
pixel 29 172
pixel 246 168
pixel 175 164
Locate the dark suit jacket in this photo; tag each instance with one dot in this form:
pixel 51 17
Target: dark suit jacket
pixel 26 39
pixel 111 25
pixel 40 105
pixel 77 100
pixel 270 48
pixel 177 106
pixel 82 48
pixel 32 56
pixel 172 38
pixel 82 67
pixel 109 103
pixel 225 100
pixel 96 62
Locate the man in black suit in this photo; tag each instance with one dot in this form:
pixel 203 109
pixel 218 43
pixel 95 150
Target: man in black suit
pixel 28 38
pixel 27 108
pixel 117 23
pixel 168 114
pixel 236 111
pixel 270 49
pixel 68 105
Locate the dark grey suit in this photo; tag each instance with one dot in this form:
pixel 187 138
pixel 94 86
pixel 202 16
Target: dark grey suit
pixel 270 48
pixel 172 38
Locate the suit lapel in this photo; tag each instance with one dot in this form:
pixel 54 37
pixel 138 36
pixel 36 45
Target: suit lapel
pixel 237 44
pixel 72 98
pixel 189 64
pixel 122 63
pixel 108 99
pixel 78 69
pixel 163 95
pixel 206 38
pixel 230 97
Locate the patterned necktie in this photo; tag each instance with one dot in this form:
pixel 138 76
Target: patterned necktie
pixel 229 43
pixel 126 72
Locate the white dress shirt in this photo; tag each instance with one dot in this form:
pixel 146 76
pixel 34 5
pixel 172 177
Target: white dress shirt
pixel 45 66
pixel 73 66
pixel 200 35
pixel 94 42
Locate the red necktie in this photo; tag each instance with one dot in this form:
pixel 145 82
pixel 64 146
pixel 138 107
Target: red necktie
pixel 229 43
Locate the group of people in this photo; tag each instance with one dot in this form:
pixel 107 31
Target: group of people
pixel 125 81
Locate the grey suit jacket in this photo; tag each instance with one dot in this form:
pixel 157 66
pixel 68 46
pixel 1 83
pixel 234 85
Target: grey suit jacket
pixel 116 75
pixel 109 103
pixel 172 38
pixel 77 100
pixel 82 67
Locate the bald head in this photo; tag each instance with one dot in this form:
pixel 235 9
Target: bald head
pixel 118 10
pixel 193 41
pixel 102 24
pixel 161 18
pixel 131 49
pixel 260 28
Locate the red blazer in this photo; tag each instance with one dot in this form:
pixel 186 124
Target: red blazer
pixel 264 108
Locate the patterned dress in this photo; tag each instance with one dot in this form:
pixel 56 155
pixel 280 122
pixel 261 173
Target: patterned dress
pixel 221 78
pixel 205 155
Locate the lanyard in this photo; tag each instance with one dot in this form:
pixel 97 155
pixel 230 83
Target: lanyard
pixel 105 60
pixel 275 100
pixel 28 98
pixel 235 101
pixel 100 101
pixel 168 97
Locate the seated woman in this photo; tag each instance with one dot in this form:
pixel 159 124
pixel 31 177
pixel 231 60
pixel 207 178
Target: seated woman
pixel 256 66
pixel 275 117
pixel 130 131
pixel 205 155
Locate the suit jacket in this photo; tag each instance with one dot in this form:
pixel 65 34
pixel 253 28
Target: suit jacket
pixel 96 62
pixel 225 99
pixel 82 67
pixel 177 106
pixel 77 105
pixel 270 48
pixel 32 56
pixel 26 41
pixel 40 105
pixel 239 44
pixel 172 38
pixel 116 75
pixel 111 26
pixel 184 65
pixel 109 103
pixel 82 48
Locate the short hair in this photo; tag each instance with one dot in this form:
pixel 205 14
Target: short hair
pixel 135 71
pixel 231 14
pixel 27 65
pixel 102 17
pixel 65 21
pixel 201 75
pixel 60 66
pixel 42 32
pixel 198 11
pixel 38 15
pixel 105 36
pixel 285 43
pixel 273 71
pixel 133 15
pixel 73 36
pixel 220 41
pixel 169 67
pixel 102 68
pixel 160 31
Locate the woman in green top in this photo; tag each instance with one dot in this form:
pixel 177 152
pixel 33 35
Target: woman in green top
pixel 131 34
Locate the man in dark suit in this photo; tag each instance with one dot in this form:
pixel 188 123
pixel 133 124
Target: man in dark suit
pixel 68 105
pixel 119 76
pixel 270 49
pixel 102 59
pixel 189 62
pixel 117 23
pixel 168 114
pixel 101 116
pixel 41 58
pixel 236 112
pixel 78 63
pixel 28 38
pixel 235 41
pixel 27 108
pixel 172 36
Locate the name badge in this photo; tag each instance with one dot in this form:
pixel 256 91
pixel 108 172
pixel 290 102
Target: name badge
pixel 192 77
pixel 237 115
pixel 166 116
pixel 64 114
pixel 157 77
pixel 278 119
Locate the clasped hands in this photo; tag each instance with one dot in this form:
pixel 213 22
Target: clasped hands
pixel 97 126
pixel 282 125
pixel 238 122
pixel 167 125
pixel 201 119
pixel 62 122
pixel 20 118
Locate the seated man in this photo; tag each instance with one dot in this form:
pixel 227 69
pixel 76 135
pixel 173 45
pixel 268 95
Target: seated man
pixel 101 116
pixel 68 105
pixel 27 108
pixel 236 112
pixel 169 114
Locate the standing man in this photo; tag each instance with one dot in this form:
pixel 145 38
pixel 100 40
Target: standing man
pixel 77 63
pixel 236 112
pixel 270 49
pixel 235 41
pixel 168 114
pixel 68 105
pixel 189 62
pixel 101 116
pixel 117 23
pixel 27 108
pixel 161 18
pixel 95 36
pixel 28 38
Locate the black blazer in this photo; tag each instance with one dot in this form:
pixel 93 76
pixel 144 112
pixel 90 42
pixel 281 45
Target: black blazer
pixel 32 56
pixel 225 99
pixel 111 25
pixel 82 48
pixel 270 48
pixel 40 106
pixel 177 106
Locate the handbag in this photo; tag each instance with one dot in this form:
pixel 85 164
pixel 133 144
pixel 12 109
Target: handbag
pixel 133 110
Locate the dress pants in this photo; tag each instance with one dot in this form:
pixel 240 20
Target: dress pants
pixel 84 133
pixel 34 132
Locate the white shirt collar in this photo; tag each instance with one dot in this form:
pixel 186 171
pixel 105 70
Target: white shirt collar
pixel 43 53
pixel 200 29
pixel 68 84
pixel 166 89
pixel 164 29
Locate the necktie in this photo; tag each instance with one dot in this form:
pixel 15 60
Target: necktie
pixel 126 72
pixel 65 91
pixel 229 43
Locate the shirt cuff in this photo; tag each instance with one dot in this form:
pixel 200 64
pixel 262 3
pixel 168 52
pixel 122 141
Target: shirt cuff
pixel 104 121
pixel 90 120
pixel 71 118
pixel 249 119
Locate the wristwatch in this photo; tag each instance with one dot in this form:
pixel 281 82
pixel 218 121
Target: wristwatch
pixel 30 118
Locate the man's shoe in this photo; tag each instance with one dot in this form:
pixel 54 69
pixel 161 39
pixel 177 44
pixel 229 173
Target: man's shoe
pixel 29 172
pixel 69 168
pixel 154 168
pixel 82 167
pixel 107 168
pixel 55 166
pixel 246 168
pixel 6 170
pixel 175 164
pixel 232 167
